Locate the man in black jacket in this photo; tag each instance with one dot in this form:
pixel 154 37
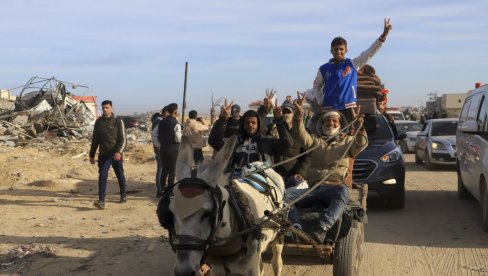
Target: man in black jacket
pixel 110 138
pixel 169 136
pixel 292 172
pixel 252 145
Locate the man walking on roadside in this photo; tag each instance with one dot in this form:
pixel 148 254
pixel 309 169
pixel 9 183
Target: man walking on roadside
pixel 157 152
pixel 110 139
pixel 193 130
pixel 169 136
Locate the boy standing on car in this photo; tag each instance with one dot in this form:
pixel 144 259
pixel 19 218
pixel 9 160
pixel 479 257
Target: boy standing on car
pixel 110 139
pixel 335 85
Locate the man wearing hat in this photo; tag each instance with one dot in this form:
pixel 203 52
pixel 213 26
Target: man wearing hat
pixel 292 172
pixel 327 158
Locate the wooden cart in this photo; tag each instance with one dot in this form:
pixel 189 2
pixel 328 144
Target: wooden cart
pixel 346 253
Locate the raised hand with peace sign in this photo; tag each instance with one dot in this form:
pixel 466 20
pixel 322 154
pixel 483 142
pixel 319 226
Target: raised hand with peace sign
pixel 299 104
pixel 225 110
pixel 268 100
pixel 277 110
pixel 386 30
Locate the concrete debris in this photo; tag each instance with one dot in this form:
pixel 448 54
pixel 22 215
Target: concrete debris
pixel 47 115
pixel 46 108
pixel 15 261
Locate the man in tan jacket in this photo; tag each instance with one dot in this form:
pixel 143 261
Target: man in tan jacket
pixel 330 157
pixel 193 130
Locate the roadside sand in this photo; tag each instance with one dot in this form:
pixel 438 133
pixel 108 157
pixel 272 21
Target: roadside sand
pixel 46 200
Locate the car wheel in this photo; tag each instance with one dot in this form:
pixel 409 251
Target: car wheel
pixel 418 161
pixel 484 206
pixel 462 192
pixel 397 201
pixel 428 163
pixel 403 146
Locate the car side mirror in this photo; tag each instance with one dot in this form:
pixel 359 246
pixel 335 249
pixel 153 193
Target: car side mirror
pixel 469 126
pixel 401 135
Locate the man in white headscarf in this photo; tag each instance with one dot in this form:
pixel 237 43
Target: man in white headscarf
pixel 330 157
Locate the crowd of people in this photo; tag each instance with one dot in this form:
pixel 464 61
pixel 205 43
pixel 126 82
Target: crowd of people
pixel 291 133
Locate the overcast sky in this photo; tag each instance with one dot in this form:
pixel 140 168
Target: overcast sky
pixel 134 52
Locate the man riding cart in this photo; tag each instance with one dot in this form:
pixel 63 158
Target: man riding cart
pixel 326 212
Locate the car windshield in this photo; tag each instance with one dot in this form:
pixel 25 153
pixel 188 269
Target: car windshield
pixel 377 128
pixel 446 128
pixel 409 127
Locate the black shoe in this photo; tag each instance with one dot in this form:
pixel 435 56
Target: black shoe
pixel 318 234
pixel 123 198
pixel 99 204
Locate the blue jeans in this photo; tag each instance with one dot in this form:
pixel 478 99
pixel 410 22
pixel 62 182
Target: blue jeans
pixel 159 171
pixel 334 197
pixel 104 163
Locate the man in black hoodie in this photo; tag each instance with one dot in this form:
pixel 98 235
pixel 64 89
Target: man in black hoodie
pixel 109 137
pixel 251 144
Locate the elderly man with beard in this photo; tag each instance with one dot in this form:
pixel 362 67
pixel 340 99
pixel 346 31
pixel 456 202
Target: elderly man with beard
pixel 327 158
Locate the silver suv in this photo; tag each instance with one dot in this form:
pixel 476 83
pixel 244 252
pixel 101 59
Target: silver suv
pixel 436 142
pixel 472 150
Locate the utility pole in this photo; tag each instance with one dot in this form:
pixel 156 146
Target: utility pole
pixel 184 94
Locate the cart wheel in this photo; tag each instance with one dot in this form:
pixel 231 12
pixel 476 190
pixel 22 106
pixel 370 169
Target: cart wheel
pixel 346 254
pixel 360 241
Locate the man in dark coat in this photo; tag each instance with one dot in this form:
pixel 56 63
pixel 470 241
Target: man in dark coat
pixel 169 136
pixel 110 139
pixel 252 145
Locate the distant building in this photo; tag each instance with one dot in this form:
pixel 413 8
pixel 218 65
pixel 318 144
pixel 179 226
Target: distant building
pixel 255 105
pixel 6 95
pixel 90 102
pixel 452 103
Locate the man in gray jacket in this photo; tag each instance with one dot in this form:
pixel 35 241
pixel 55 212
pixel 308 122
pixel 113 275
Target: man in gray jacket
pixel 110 139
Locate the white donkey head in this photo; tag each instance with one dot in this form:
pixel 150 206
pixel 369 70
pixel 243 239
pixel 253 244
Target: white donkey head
pixel 196 205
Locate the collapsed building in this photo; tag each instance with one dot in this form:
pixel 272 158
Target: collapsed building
pixel 47 107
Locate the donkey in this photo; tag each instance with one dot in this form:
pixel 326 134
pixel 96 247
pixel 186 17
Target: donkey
pixel 205 227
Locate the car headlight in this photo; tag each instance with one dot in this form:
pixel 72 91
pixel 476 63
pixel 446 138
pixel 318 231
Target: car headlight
pixel 392 156
pixel 438 146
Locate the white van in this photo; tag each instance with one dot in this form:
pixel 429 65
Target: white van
pixel 472 150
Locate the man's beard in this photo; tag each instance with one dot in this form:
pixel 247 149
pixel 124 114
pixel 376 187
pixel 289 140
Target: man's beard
pixel 331 132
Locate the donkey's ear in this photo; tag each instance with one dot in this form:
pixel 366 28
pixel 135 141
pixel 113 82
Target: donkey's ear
pixel 223 157
pixel 185 162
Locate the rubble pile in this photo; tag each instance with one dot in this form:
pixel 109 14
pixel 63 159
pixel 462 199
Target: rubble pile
pixel 16 260
pixel 138 135
pixel 45 109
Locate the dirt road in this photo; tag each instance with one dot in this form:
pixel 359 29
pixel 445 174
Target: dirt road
pixel 46 207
